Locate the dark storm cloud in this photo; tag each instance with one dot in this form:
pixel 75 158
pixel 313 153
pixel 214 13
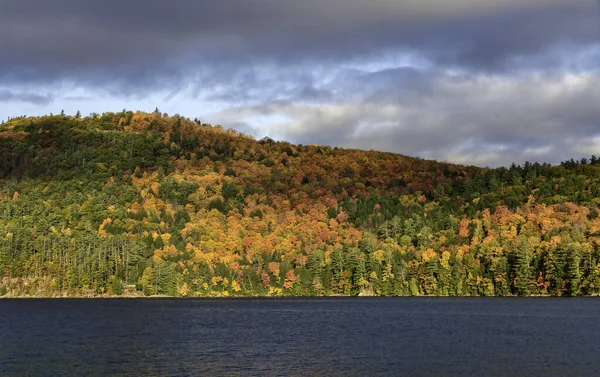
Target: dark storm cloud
pixel 153 42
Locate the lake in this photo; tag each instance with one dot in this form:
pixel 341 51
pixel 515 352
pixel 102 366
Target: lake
pixel 303 337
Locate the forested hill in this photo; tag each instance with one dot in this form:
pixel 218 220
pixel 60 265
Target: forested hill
pixel 164 205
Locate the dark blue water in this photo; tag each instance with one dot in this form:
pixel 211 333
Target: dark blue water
pixel 340 336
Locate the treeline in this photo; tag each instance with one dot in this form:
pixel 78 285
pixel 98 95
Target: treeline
pixel 179 207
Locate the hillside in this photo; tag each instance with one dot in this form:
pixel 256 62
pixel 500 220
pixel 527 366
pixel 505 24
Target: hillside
pixel 182 208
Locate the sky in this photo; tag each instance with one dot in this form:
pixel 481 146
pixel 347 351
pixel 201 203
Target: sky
pixel 477 82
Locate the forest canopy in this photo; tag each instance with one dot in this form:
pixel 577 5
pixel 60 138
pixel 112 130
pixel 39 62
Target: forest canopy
pixel 173 206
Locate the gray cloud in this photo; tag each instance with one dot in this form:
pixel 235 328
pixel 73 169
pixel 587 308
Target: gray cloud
pixel 476 119
pixel 36 99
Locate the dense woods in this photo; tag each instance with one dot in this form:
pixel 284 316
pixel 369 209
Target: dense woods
pixel 172 206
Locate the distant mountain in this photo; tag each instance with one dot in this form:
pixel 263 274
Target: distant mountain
pixel 137 203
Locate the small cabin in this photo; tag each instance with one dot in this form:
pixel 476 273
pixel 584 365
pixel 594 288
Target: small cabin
pixel 89 292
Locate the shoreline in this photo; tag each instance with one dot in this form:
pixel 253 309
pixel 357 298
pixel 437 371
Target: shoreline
pixel 117 297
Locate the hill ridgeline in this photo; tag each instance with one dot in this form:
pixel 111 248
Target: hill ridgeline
pixel 136 203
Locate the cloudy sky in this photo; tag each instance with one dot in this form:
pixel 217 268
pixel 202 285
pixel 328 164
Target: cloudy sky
pixel 484 82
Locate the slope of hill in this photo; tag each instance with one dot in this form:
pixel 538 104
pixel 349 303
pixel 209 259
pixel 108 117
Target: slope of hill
pixel 182 208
